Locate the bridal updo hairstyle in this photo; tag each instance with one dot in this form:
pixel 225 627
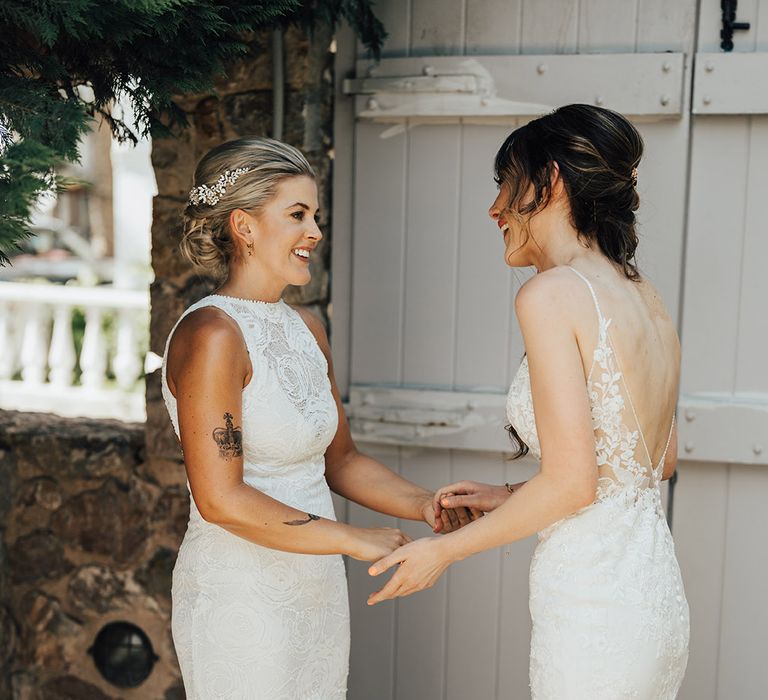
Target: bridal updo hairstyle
pixel 597 151
pixel 207 241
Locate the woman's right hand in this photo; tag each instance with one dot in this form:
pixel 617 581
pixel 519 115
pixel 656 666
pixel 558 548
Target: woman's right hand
pixel 473 495
pixel 374 543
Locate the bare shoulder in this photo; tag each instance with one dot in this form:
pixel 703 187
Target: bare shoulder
pixel 316 326
pixel 204 335
pixel 549 295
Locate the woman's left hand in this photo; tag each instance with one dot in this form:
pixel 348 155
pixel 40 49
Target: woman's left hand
pixel 421 563
pixel 444 520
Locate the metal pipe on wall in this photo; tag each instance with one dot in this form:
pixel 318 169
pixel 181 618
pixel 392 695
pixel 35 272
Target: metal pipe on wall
pixel 278 85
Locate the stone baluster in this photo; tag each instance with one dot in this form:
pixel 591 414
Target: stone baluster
pixel 93 356
pixel 61 357
pixel 7 346
pixel 126 363
pixel 34 344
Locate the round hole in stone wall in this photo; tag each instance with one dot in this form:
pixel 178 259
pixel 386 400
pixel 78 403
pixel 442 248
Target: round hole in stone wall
pixel 123 654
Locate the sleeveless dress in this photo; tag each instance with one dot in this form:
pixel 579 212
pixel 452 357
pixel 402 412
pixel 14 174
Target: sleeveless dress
pixel 251 622
pixel 610 617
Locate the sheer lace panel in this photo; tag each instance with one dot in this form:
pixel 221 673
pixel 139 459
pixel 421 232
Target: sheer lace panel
pixel 623 458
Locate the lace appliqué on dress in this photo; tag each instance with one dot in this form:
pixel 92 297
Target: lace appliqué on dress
pixel 615 444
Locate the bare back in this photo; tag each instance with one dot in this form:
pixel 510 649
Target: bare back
pixel 646 350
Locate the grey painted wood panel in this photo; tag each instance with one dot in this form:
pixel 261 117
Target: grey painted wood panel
pixel 484 312
pixel 666 26
pixel 379 248
pixel 372 657
pixel 742 671
pixel 396 17
pixel 609 26
pixel 437 31
pixel 700 516
pixel 759 18
pixel 714 253
pixel 493 27
pixel 421 618
pixel 340 312
pixel 550 26
pixel 661 217
pixel 434 161
pixel 751 365
pixel 473 588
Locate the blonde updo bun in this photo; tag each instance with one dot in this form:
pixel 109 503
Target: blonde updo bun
pixel 207 241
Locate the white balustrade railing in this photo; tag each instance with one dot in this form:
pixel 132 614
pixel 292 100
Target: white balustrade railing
pixel 38 356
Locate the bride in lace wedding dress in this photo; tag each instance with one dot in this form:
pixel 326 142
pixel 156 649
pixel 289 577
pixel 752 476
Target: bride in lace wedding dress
pixel 594 400
pixel 259 594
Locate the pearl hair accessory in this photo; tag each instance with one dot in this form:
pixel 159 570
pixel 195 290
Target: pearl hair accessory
pixel 211 194
pixel 634 176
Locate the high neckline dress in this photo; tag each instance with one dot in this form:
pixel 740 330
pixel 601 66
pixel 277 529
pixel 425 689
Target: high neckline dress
pixel 250 622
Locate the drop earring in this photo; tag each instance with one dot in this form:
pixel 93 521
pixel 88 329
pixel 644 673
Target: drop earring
pixel 249 245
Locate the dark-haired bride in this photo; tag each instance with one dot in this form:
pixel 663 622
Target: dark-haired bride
pixel 594 399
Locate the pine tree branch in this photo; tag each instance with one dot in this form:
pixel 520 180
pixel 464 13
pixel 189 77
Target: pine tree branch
pixel 64 62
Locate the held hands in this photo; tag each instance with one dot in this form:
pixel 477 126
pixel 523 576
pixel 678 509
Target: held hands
pixel 422 562
pixel 474 496
pixel 445 520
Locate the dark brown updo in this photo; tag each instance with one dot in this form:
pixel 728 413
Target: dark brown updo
pixel 597 151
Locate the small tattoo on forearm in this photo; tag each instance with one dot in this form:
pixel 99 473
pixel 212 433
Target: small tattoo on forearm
pixel 310 518
pixel 229 439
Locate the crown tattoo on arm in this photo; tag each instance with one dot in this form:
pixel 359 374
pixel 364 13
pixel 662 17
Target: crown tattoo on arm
pixel 229 439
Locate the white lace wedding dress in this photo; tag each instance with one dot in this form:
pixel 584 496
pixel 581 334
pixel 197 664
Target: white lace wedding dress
pixel 249 622
pixel 610 618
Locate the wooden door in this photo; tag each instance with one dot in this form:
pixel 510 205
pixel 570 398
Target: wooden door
pixel 720 522
pixel 423 315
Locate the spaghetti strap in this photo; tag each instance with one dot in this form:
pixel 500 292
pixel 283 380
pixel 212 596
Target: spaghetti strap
pixel 669 440
pixel 591 290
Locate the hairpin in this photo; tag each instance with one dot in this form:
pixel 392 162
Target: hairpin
pixel 211 194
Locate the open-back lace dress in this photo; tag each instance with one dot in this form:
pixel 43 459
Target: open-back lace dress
pixel 610 617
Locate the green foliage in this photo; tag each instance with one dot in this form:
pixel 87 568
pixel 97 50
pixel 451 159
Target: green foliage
pixel 64 62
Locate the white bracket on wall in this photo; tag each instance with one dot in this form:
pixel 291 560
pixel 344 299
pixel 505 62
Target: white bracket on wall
pixel 428 418
pixel 491 89
pixel 730 83
pixel 727 428
pixel 718 428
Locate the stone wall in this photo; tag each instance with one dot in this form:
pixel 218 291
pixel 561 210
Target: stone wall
pixel 88 537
